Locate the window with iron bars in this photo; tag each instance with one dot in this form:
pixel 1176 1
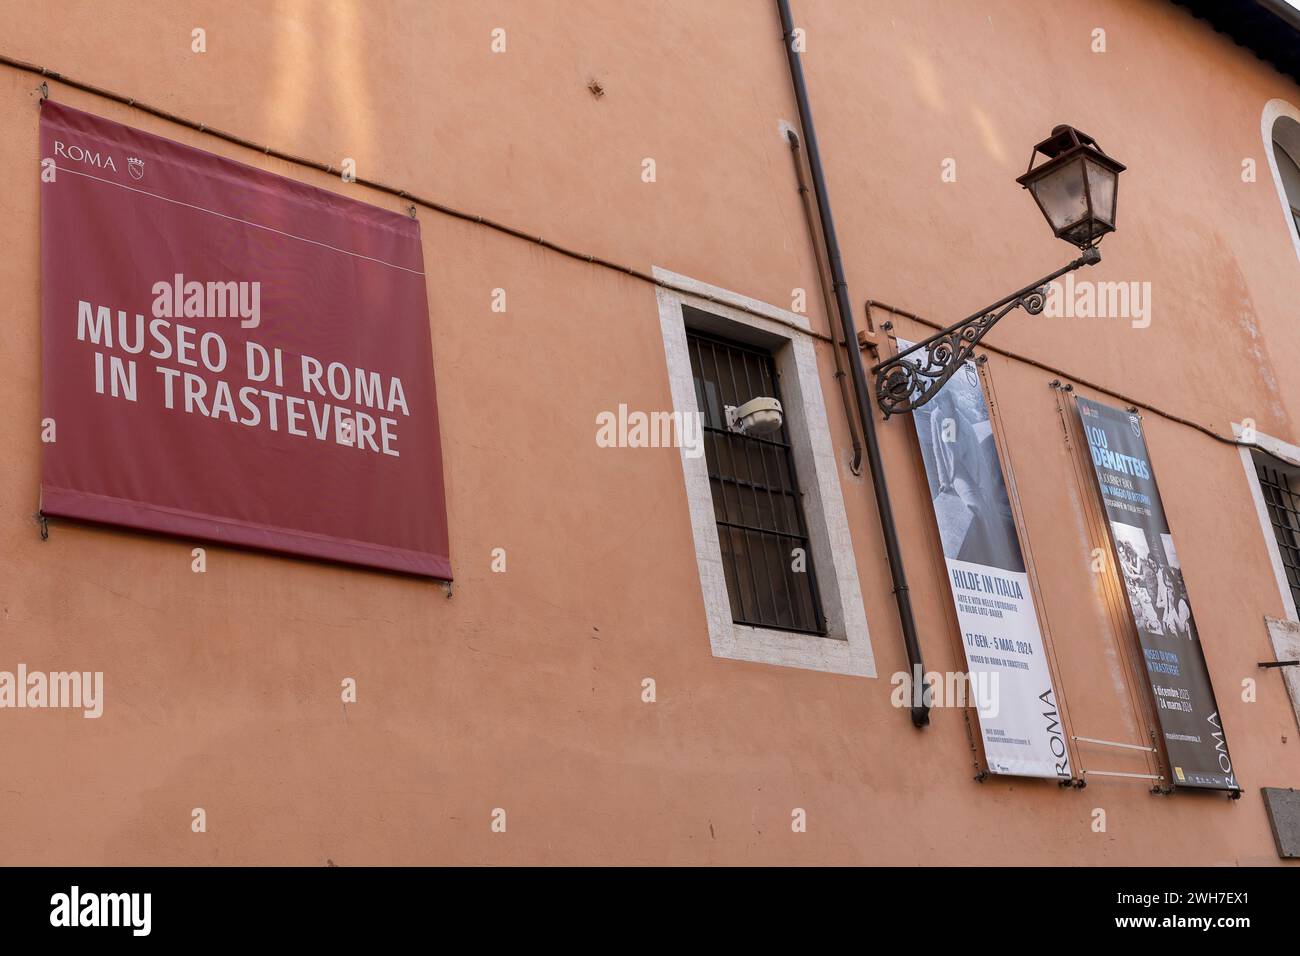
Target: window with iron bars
pixel 1281 488
pixel 756 498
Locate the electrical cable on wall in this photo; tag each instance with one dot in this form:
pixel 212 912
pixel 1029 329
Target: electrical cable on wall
pixel 586 257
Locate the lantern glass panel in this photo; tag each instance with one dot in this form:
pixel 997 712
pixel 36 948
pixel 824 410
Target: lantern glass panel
pixel 1101 183
pixel 1061 196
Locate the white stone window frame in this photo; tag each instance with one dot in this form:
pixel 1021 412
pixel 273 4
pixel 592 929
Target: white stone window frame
pixel 1290 454
pixel 1285 634
pixel 846 646
pixel 1274 110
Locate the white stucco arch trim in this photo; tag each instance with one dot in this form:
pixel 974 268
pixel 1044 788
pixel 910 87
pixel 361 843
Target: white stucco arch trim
pixel 1274 110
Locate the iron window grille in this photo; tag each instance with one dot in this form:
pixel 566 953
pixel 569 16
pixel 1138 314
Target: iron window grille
pixel 1281 488
pixel 756 498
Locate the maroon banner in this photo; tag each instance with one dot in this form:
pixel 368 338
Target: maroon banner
pixel 233 356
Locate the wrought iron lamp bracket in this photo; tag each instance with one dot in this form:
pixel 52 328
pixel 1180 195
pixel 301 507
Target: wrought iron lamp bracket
pixel 904 384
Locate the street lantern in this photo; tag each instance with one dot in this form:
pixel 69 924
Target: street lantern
pixel 1076 190
pixel 1076 187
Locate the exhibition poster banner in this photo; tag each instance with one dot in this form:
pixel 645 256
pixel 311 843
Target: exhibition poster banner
pixel 1019 720
pixel 1157 597
pixel 233 356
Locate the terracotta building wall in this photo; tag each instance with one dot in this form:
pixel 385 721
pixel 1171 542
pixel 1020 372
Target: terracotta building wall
pixel 523 690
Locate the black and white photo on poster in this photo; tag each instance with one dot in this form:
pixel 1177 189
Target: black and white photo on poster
pixel 966 487
pixel 1154 582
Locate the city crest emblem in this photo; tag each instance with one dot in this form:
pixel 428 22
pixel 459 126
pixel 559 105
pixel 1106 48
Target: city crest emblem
pixel 135 167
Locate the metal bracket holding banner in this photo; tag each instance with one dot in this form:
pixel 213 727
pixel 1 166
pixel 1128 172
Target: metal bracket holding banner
pixel 1175 678
pixel 1112 743
pixel 1119 773
pixel 1003 448
pixel 1125 642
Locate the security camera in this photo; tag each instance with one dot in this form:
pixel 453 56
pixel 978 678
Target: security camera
pixel 758 416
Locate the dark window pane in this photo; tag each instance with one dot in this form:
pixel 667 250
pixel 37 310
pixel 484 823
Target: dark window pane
pixel 756 498
pixel 1281 488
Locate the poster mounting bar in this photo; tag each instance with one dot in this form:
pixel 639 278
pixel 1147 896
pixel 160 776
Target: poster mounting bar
pixel 1119 773
pixel 1112 743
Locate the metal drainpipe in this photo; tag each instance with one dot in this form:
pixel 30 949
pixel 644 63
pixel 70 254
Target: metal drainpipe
pixel 804 190
pixel 861 389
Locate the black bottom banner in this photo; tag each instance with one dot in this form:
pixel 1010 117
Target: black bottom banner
pixel 333 905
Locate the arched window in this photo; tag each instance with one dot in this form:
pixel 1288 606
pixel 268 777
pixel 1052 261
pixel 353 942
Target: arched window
pixel 1281 131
